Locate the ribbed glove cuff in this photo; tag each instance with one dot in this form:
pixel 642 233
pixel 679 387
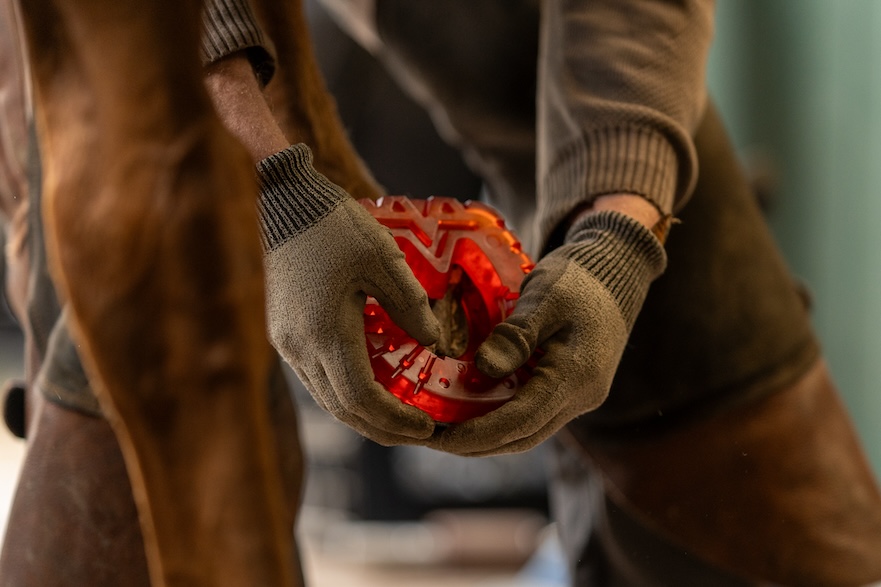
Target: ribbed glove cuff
pixel 293 195
pixel 621 253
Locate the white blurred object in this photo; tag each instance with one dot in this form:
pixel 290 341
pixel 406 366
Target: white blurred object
pixel 488 538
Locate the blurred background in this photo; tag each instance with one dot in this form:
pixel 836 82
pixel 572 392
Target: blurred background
pixel 799 86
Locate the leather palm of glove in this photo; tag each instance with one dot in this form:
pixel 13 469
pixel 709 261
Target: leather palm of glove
pixel 578 305
pixel 323 255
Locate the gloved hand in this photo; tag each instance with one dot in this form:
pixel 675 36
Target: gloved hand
pixel 324 255
pixel 578 305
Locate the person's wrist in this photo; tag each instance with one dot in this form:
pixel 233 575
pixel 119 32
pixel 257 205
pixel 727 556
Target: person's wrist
pixel 635 206
pixel 238 100
pixel 293 195
pixel 619 251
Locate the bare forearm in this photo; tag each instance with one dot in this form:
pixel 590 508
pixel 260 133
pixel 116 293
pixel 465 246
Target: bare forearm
pixel 241 104
pixel 633 205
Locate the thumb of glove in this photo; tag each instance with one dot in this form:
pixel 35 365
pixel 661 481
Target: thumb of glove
pixel 505 349
pixel 533 320
pixel 402 296
pixel 418 321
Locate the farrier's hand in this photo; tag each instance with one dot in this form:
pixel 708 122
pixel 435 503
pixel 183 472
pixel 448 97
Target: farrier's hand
pixel 578 305
pixel 324 255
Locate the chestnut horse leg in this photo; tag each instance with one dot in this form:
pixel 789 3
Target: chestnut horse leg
pixel 13 114
pixel 13 154
pixel 152 238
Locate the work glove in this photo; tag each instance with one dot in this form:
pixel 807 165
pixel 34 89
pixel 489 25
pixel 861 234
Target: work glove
pixel 324 254
pixel 578 306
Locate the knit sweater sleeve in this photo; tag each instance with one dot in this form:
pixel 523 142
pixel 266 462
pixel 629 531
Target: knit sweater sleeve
pixel 621 91
pixel 229 26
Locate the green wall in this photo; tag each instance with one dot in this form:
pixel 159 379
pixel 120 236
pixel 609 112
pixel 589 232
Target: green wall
pixel 799 81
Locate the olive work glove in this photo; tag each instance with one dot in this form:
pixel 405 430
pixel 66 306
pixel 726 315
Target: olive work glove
pixel 578 306
pixel 324 254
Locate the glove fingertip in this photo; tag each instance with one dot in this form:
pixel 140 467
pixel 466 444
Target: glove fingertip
pixel 424 328
pixel 498 356
pixel 418 321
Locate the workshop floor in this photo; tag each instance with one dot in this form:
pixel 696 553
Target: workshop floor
pixel 341 553
pixel 326 565
pixel 11 448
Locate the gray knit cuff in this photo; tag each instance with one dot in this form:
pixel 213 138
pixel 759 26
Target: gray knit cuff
pixel 229 26
pixel 293 195
pixel 621 253
pixel 631 160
